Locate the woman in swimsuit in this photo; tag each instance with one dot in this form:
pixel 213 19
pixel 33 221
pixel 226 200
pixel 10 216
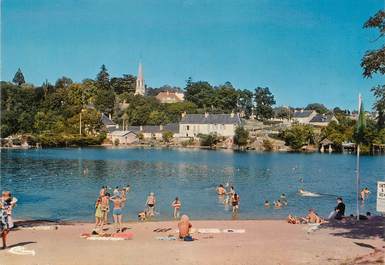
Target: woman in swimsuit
pixel 117 211
pixel 235 202
pixel 151 201
pixel 176 204
pixel 98 213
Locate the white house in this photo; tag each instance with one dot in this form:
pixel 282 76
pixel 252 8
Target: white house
pixel 123 137
pixel 222 124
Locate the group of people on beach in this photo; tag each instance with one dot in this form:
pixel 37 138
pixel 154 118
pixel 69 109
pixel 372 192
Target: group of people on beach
pixel 229 196
pixel 7 203
pixel 102 207
pixel 118 199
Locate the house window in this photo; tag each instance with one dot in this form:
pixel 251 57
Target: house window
pixel 187 127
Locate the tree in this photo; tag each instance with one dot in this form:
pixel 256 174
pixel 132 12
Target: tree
pixel 103 78
pixel 63 82
pixel 120 85
pixel 105 101
pixel 245 102
pixel 225 98
pixel 318 107
pixel 200 93
pixel 373 62
pixel 18 78
pixel 264 101
pixel 241 136
pixel 379 105
pixel 298 135
pixel 167 136
pixel 208 139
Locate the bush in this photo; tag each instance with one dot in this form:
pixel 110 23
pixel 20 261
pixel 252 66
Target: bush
pixel 188 142
pixel 241 136
pixel 208 139
pixel 116 142
pixel 167 136
pixel 298 135
pixel 267 145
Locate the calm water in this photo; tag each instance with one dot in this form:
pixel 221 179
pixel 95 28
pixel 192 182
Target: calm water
pixel 50 183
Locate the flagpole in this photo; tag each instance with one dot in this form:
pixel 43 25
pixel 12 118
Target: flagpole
pixel 358 181
pixel 358 164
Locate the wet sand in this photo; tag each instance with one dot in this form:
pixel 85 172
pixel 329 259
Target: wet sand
pixel 264 242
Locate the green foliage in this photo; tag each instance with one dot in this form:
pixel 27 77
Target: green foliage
pixel 67 140
pixel 188 142
pixel 264 101
pixel 125 84
pixel 379 105
pixel 18 78
pixel 167 136
pixel 63 82
pixel 298 135
pixel 104 101
pixel 103 78
pixel 241 136
pixel 245 102
pixel 318 107
pixel 208 139
pixel 116 142
pixel 200 93
pixel 225 98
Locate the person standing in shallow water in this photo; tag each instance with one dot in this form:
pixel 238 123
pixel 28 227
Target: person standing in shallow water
pixel 150 203
pixel 235 203
pixel 176 204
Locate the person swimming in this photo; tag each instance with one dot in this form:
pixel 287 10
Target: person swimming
pixel 278 204
pixel 267 204
pixel 283 199
pixel 220 190
pixel 305 193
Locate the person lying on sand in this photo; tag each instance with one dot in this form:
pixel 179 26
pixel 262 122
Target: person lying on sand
pixel 220 190
pixel 291 219
pixel 184 227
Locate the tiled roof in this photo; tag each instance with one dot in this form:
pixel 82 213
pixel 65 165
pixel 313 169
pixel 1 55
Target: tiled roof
pixel 121 133
pixel 322 118
pixel 302 114
pixel 211 119
pixel 151 128
pixel 171 127
pixel 134 128
pixel 106 121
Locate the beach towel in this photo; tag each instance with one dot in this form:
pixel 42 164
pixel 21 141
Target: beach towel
pixel 312 227
pixel 166 238
pixel 40 228
pixel 107 238
pixel 209 230
pixel 20 250
pixel 234 231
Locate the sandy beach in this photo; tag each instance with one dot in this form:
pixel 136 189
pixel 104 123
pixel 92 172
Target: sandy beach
pixel 263 242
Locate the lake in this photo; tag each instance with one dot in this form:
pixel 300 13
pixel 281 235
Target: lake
pixel 64 183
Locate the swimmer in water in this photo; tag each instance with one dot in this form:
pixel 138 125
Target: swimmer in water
pixel 221 190
pixel 277 204
pixel 364 194
pixel 267 204
pixel 151 201
pixel 283 199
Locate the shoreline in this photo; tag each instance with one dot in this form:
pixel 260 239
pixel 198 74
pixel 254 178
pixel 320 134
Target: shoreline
pixel 262 242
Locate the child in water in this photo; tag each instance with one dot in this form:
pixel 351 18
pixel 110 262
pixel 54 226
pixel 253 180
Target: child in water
pixel 176 204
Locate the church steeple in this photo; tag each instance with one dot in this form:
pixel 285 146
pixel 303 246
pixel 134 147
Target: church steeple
pixel 140 88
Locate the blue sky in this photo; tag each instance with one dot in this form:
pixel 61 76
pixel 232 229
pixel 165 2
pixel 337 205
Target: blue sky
pixel 305 51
